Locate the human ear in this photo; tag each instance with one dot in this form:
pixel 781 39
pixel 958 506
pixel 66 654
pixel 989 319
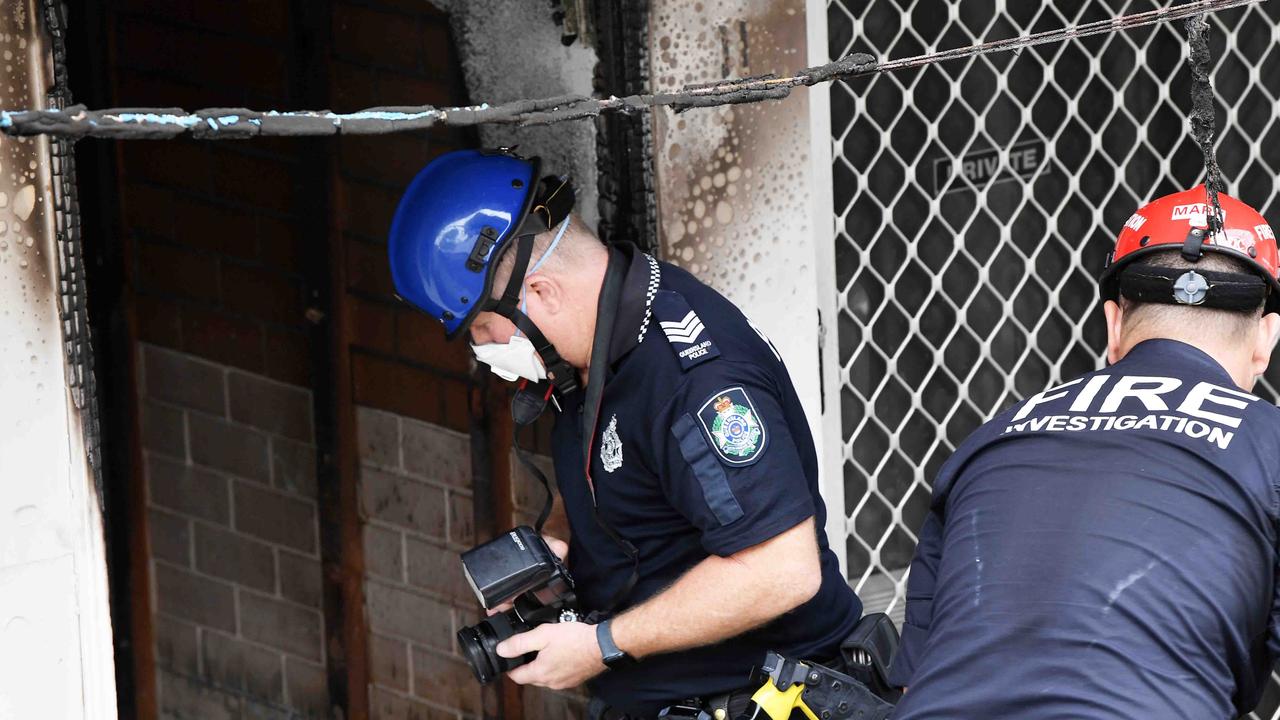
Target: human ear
pixel 546 292
pixel 1115 325
pixel 1265 342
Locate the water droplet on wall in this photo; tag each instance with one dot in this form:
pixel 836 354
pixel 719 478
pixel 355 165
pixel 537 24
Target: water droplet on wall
pixel 24 202
pixel 724 212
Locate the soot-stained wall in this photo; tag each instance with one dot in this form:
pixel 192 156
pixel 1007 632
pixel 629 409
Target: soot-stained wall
pixel 742 191
pixel 219 237
pixel 512 50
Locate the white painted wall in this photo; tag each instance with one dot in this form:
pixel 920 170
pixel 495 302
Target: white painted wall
pixel 55 632
pixel 744 192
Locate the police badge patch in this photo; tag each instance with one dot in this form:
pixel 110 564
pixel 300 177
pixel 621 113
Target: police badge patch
pixel 731 423
pixel 611 446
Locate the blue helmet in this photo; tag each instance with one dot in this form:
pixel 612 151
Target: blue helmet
pixel 452 224
pixel 456 219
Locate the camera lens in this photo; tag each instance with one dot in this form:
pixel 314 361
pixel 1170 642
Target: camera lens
pixel 478 643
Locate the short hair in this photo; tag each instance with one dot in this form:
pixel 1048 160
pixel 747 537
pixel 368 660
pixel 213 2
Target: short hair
pixel 1213 322
pixel 576 245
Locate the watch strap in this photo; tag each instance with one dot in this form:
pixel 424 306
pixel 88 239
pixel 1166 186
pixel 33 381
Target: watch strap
pixel 609 651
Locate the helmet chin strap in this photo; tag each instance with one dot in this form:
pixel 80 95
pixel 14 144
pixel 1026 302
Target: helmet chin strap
pixel 562 375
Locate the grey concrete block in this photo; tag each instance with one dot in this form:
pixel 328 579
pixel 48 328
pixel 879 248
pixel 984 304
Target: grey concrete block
pixel 170 537
pixel 438 569
pixel 462 526
pixel 389 662
pixel 198 599
pixel 183 380
pixel 383 555
pixel 379 435
pixel 386 705
pixel 403 502
pixel 164 429
pixel 234 557
pixel 274 517
pixel 239 666
pixel 293 467
pixel 189 490
pixel 300 579
pixel 182 698
pixel 400 613
pixel 177 645
pixel 308 688
pixel 270 406
pixel 225 446
pixel 282 625
pixel 435 453
pixel 254 710
pixel 446 680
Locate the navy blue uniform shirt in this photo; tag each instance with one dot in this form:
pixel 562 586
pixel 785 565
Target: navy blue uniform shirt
pixel 701 448
pixel 1105 549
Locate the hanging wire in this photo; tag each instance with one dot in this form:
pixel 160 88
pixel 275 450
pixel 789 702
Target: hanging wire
pixel 230 123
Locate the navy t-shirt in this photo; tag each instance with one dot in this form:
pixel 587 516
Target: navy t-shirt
pixel 701 448
pixel 1105 549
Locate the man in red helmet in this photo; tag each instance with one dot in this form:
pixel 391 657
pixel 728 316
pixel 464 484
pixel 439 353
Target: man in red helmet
pixel 1108 548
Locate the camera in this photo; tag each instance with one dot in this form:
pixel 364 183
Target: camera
pixel 517 567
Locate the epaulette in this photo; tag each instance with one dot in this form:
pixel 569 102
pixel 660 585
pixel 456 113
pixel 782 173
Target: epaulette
pixel 689 338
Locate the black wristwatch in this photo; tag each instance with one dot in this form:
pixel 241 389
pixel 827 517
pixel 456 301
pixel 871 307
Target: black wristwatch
pixel 609 652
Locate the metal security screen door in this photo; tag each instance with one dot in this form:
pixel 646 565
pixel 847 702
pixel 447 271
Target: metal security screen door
pixel 975 203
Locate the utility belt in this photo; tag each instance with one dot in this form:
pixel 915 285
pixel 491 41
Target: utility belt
pixel 854 685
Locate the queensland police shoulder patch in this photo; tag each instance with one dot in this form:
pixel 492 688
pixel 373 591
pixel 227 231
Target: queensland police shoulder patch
pixel 733 427
pixel 689 338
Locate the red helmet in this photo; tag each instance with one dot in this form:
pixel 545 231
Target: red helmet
pixel 1181 221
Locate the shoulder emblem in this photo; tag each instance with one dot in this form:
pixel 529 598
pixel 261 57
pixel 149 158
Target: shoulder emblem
pixel 686 334
pixel 733 427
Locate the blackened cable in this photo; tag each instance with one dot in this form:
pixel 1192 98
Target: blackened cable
pixel 231 123
pixel 1203 125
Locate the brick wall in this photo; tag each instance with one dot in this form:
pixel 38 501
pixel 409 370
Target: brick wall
pixel 230 472
pixel 217 261
pixel 214 227
pixel 383 54
pixel 416 501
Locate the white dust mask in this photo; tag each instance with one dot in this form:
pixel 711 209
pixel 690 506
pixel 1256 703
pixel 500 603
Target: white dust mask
pixel 512 360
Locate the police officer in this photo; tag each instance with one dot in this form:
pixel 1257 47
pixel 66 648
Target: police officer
pixel 682 453
pixel 1108 548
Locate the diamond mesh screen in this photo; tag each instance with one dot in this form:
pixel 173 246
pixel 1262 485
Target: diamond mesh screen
pixel 975 203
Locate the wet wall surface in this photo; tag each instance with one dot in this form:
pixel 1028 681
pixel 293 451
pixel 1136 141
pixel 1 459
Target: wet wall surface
pixel 736 184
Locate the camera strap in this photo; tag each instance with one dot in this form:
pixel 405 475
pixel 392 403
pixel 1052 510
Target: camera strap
pixel 606 315
pixel 527 404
